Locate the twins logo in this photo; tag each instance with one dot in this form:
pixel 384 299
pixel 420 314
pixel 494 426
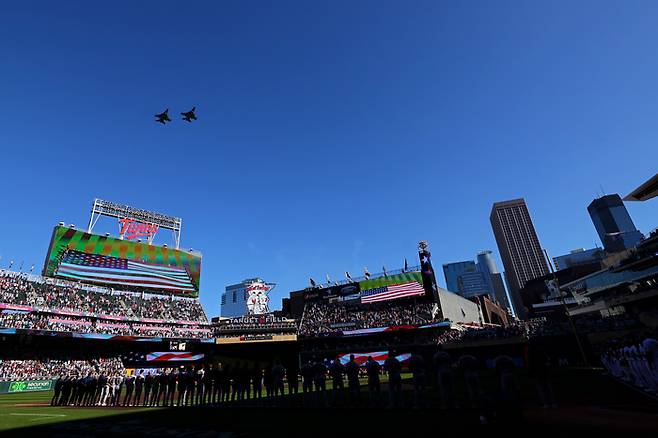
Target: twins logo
pixel 257 299
pixel 132 229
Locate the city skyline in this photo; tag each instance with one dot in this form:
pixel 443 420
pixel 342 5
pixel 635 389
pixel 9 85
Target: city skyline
pixel 328 138
pixel 277 302
pixel 221 211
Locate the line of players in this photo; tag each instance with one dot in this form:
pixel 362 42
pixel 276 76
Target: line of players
pixel 215 384
pixel 211 384
pixel 208 385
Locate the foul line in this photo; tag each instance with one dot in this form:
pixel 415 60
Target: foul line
pixel 40 415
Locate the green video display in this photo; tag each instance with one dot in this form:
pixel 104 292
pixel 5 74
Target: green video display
pixel 80 256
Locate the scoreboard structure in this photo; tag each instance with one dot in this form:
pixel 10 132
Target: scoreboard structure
pixel 254 328
pixel 125 262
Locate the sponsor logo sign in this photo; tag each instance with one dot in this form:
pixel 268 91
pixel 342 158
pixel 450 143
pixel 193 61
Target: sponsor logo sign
pixel 255 338
pixel 35 385
pixel 260 319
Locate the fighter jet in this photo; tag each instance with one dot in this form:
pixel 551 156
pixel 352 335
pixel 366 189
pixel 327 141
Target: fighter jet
pixel 189 116
pixel 163 117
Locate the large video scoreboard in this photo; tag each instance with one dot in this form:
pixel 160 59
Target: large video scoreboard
pixel 121 264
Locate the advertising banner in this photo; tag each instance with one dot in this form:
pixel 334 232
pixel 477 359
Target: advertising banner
pixel 25 386
pixel 255 338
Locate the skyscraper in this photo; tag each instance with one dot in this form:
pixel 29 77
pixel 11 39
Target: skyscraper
pixel 519 248
pixel 465 279
pixel 487 265
pixel 469 279
pixel 613 223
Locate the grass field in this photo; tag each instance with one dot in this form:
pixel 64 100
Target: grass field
pixel 587 400
pixel 33 408
pixel 22 409
pixel 26 409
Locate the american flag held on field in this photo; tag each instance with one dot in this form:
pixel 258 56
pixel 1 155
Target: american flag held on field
pixel 112 270
pixel 392 292
pixel 168 356
pixel 378 356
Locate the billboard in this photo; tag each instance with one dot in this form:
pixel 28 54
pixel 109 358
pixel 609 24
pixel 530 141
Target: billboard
pixel 80 256
pixel 25 386
pixel 260 337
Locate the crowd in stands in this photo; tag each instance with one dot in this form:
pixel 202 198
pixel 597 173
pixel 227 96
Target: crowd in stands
pixel 44 369
pixel 634 360
pixel 14 289
pixel 62 323
pixel 329 317
pixel 18 290
pixel 525 329
pixel 539 327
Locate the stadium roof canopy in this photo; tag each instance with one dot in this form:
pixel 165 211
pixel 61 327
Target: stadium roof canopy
pixel 646 191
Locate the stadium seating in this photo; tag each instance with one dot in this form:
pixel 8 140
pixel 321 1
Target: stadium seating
pixel 16 289
pixel 326 317
pixel 43 369
pixel 77 324
pixel 46 306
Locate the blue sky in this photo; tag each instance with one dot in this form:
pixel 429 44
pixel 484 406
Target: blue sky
pixel 332 135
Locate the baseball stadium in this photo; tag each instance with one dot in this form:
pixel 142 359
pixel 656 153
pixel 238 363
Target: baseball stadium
pixel 111 338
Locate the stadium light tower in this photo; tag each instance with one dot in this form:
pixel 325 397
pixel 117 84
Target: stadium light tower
pixel 145 223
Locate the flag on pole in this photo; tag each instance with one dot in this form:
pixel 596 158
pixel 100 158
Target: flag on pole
pixel 312 282
pixel 347 275
pixel 384 269
pixel 366 273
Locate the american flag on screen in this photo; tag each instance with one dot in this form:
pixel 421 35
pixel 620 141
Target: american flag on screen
pixel 392 292
pixel 115 271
